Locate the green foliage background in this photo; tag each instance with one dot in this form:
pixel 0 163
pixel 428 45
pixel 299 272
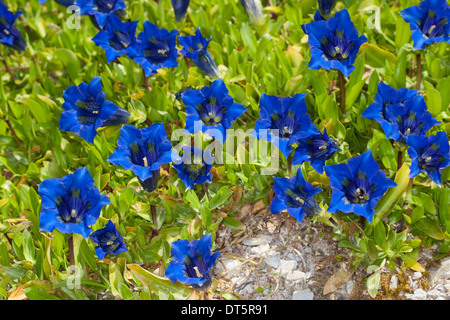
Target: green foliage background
pixel 34 264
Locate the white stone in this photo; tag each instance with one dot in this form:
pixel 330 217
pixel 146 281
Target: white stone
pixel 417 275
pixel 393 284
pixel 273 260
pixel 419 294
pixel 287 266
pixel 434 293
pixel 303 295
pixel 260 249
pixel 228 265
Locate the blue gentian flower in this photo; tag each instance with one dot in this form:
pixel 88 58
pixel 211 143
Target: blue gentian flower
pixel 334 43
pixel 10 36
pixel 86 110
pixel 211 108
pixel 254 11
pixel 192 262
pixel 100 10
pixel 289 116
pixel 194 167
pixel 117 38
pixel 70 204
pixel 66 3
pixel 385 97
pixel 315 149
pixel 143 151
pixel 109 241
pixel 180 8
pixel 294 195
pixel 357 185
pixel 429 22
pixel 196 48
pixel 429 154
pixel 409 118
pixel 326 7
pixel 156 49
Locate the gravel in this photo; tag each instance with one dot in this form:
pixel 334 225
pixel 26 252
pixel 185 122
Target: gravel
pixel 277 258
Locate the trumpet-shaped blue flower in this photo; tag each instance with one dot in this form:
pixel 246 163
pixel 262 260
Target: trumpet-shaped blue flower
pixel 429 22
pixel 316 149
pixel 294 195
pixel 70 204
pixel 254 11
pixel 409 118
pixel 429 154
pixel 143 151
pixel 288 115
pixel 108 240
pixel 334 43
pixel 194 167
pixel 192 262
pixel 180 7
pixel 385 97
pixel 357 185
pixel 66 3
pixel 196 48
pixel 100 10
pixel 117 38
pixel 211 110
pixel 326 7
pixel 10 36
pixel 86 110
pixel 156 49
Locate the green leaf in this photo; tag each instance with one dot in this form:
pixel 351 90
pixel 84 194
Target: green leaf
pixel 376 57
pixel 434 100
pixel 431 228
pixel 380 234
pixel 373 284
pixel 36 294
pixel 221 197
pixel 387 203
pixel 413 264
pixel 115 278
pixel 156 283
pixel 192 198
pixel 233 223
pixel 205 214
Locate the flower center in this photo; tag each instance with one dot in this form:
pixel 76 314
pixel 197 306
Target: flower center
pixel 318 147
pixel 297 197
pixel 410 125
pixel 211 113
pixel 337 48
pixel 108 241
pixel 430 159
pixel 120 41
pixel 143 158
pixel 432 27
pixel 104 6
pixel 196 267
pixel 286 125
pixel 158 51
pixel 88 111
pixel 72 209
pixel 359 190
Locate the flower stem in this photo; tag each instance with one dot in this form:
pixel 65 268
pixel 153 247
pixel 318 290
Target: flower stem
pixel 153 212
pixel 71 252
pixel 13 78
pixel 419 70
pixel 205 190
pixel 342 90
pixel 289 164
pixel 399 159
